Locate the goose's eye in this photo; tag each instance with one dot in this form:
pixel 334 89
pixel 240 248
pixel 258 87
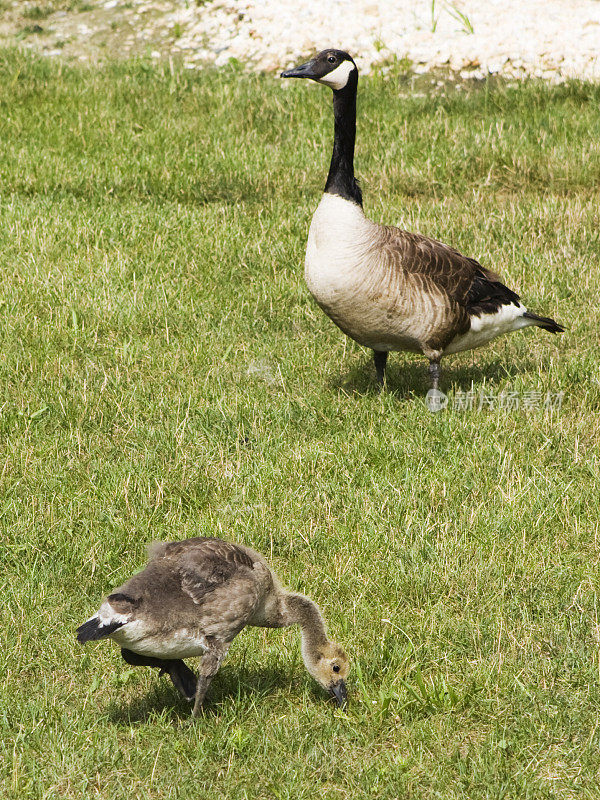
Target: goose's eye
pixel 331 59
pixel 336 667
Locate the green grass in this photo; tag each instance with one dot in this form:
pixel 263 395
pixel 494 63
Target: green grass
pixel 37 12
pixel 165 374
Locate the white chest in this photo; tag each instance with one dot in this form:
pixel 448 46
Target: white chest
pixel 338 242
pixel 348 278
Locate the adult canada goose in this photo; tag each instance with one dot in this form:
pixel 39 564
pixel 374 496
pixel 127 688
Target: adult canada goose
pixel 384 287
pixel 193 598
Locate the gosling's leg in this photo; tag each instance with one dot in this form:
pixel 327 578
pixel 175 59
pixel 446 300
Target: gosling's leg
pixel 435 372
pixel 209 666
pixel 380 359
pixel 182 676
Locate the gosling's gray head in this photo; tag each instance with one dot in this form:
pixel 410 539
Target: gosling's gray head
pixel 330 666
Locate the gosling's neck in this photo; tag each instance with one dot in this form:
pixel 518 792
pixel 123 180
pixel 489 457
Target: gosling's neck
pixel 300 610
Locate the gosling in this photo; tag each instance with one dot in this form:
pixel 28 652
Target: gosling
pixel 193 598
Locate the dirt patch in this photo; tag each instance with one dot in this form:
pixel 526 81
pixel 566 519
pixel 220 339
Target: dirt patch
pixel 92 32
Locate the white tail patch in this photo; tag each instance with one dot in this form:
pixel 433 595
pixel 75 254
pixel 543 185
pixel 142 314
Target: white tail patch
pixel 107 615
pixel 486 327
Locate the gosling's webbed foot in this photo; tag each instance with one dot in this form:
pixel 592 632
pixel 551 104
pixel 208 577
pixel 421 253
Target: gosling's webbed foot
pixel 136 660
pixel 183 679
pixel 181 675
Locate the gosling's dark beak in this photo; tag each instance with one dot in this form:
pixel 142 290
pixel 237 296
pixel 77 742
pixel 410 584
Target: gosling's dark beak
pixel 338 690
pixel 303 71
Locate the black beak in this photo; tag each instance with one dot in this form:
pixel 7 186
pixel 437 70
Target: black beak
pixel 338 690
pixel 303 71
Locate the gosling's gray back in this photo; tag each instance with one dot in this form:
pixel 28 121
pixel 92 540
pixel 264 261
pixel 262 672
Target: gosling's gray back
pixel 189 592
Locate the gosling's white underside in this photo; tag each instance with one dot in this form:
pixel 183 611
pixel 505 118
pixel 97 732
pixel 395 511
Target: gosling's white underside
pixel 138 636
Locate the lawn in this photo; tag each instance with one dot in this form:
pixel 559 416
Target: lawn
pixel 165 374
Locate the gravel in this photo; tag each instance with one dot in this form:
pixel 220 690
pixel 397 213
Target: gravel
pixel 551 39
pixel 554 39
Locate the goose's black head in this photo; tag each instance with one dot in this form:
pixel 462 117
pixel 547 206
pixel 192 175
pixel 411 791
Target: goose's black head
pixel 334 68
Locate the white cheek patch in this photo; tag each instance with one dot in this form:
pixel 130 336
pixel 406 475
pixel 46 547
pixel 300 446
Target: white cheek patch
pixel 338 77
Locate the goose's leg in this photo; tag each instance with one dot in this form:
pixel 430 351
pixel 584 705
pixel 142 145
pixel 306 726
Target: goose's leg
pixel 435 372
pixel 209 666
pixel 380 359
pixel 182 676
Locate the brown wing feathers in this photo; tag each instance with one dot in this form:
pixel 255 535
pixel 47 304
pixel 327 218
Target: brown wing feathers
pixel 462 279
pixel 206 563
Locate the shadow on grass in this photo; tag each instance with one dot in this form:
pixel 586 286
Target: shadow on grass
pixel 240 685
pixel 410 380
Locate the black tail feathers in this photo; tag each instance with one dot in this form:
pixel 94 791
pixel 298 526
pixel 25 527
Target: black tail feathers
pixel 546 323
pixel 93 629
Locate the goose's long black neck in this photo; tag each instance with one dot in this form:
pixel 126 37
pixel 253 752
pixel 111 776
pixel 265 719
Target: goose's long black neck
pixel 341 180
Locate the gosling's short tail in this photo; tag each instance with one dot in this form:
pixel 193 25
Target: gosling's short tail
pixel 547 323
